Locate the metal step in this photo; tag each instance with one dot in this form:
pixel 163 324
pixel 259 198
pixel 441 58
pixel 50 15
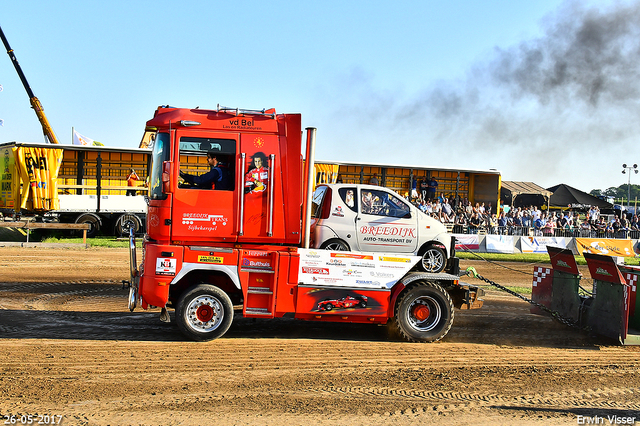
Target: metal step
pixel 257 311
pixel 259 290
pixel 260 270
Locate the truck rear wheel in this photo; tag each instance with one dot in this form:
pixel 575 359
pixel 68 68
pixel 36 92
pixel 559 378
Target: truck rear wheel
pixel 424 313
pixel 204 313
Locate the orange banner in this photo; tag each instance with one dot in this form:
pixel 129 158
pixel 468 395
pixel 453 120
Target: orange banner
pixel 606 246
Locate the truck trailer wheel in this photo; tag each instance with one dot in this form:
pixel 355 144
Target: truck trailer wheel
pixel 92 220
pixel 124 221
pixel 204 313
pixel 424 313
pixel 434 260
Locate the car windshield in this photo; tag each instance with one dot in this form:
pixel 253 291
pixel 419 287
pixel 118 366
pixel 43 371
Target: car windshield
pixel 316 202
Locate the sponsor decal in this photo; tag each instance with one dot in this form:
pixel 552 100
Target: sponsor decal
pixel 387 240
pixel 338 212
pixel 210 259
pixel 154 220
pixel 368 282
pixel 203 221
pixel 312 255
pixel 318 271
pixel 381 274
pixel 393 231
pixel 258 142
pixel 352 273
pixel 166 266
pixel 363 265
pixel 256 253
pixel 602 271
pixel 327 280
pixel 562 263
pixel 389 266
pixel 394 259
pixel 244 124
pixel 336 262
pixel 255 264
pixel 353 256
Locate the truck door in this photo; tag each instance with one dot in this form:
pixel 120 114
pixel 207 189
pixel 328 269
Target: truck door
pixel 385 222
pixel 262 205
pixel 205 213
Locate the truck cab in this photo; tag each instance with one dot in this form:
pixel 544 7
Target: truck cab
pixel 376 219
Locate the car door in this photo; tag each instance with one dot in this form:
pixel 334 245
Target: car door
pixel 385 222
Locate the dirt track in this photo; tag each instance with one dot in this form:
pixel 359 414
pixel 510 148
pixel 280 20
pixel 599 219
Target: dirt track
pixel 70 347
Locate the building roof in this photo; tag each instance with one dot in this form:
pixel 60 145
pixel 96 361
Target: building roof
pixel 517 188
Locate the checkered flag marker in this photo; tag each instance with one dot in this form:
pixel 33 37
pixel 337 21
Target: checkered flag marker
pixel 540 273
pixel 632 279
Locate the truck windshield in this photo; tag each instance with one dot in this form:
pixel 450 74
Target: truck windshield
pixel 160 154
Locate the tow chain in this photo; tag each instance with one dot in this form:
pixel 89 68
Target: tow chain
pixel 554 314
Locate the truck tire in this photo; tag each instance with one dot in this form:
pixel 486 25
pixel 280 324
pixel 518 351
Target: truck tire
pixel 92 220
pixel 204 313
pixel 424 313
pixel 123 222
pixel 335 244
pixel 434 260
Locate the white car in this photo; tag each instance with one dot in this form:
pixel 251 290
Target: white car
pixel 373 218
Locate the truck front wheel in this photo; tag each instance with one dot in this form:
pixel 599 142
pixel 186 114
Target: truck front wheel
pixel 204 313
pixel 424 313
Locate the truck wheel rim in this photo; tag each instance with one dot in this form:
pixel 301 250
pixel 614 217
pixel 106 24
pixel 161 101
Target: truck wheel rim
pixel 204 313
pixel 424 313
pixel 432 260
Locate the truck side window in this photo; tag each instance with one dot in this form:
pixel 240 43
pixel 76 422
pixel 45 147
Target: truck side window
pixel 348 196
pixel 194 165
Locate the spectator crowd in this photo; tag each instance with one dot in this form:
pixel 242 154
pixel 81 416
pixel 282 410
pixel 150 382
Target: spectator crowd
pixel 463 217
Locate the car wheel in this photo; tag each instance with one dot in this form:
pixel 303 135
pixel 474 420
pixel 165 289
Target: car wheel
pixel 424 313
pixel 204 313
pixel 335 244
pixel 433 260
pixel 328 307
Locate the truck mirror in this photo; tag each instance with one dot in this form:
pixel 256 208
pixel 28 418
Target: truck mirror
pixel 167 172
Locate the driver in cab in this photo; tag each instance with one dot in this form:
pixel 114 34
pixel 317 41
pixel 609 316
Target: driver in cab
pixel 216 178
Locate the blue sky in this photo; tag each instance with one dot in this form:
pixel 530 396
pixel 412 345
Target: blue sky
pixel 543 91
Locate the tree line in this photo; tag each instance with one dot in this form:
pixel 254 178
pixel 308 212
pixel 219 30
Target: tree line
pixel 619 194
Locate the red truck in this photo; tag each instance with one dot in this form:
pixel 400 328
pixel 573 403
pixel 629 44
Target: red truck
pixel 210 248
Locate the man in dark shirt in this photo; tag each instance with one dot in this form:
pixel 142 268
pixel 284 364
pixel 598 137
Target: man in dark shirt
pixel 216 178
pixel 432 188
